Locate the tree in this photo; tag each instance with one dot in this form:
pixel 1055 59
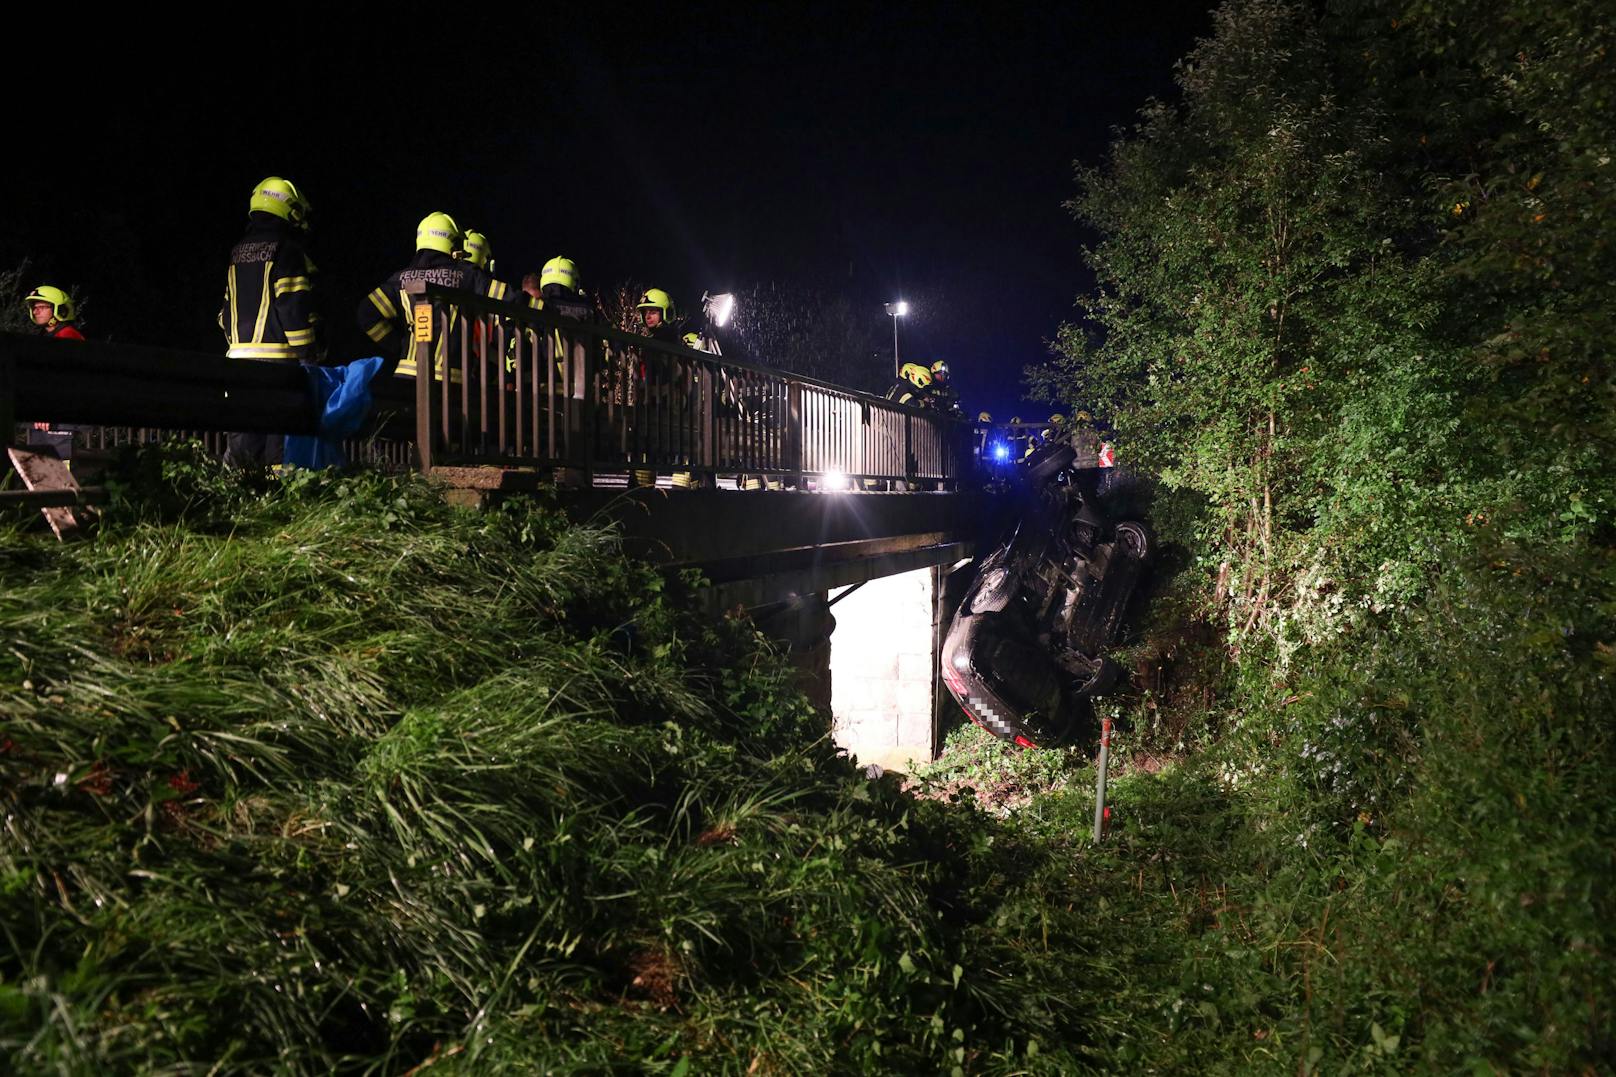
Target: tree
pixel 1330 293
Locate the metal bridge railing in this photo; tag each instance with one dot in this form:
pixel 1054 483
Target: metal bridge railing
pixel 529 387
pixel 525 388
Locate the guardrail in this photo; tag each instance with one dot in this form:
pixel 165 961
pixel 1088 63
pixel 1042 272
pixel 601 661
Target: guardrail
pixel 110 395
pixel 525 388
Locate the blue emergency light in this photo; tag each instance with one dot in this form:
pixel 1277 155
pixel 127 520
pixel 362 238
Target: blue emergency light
pixel 1001 451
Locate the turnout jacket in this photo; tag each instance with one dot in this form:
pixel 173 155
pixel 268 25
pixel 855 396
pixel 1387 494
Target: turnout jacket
pixel 556 346
pixel 905 391
pixel 268 310
pixel 385 314
pixel 942 397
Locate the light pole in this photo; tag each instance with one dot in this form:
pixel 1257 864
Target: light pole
pixel 896 310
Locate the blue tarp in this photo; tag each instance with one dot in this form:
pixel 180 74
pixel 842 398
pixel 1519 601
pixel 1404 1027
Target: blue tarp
pixel 343 394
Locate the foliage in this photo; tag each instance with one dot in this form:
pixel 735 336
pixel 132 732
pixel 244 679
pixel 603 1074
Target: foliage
pixel 14 284
pixel 320 774
pixel 1331 303
pixel 976 766
pixel 620 306
pixel 1354 312
pixel 316 773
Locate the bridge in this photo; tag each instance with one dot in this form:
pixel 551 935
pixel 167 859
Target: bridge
pixel 791 494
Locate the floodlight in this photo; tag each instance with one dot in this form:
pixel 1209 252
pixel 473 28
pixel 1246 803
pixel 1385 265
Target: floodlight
pixel 719 308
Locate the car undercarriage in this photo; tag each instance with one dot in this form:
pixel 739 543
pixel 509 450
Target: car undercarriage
pixel 1027 650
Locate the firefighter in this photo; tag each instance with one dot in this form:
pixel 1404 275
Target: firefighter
pixel 268 312
pixel 52 310
pixel 561 289
pixel 655 310
pixel 941 394
pixel 911 385
pixel 475 248
pixel 984 434
pixel 385 314
pixel 556 289
pixel 686 480
pixel 1022 442
pixel 561 292
pixel 656 315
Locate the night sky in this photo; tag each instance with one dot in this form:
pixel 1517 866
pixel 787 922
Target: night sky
pixel 876 153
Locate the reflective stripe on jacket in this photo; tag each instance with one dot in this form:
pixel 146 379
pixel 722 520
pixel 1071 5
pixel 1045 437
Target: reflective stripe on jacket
pixel 268 310
pixel 385 316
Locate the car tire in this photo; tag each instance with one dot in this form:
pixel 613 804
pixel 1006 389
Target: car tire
pixel 1134 540
pixel 1106 675
pixel 1048 461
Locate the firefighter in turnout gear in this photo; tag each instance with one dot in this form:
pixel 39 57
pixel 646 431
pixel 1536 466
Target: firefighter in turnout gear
pixel 687 480
pixel 555 289
pixel 911 385
pixel 656 315
pixel 1022 442
pixel 558 288
pixel 52 310
pixel 984 434
pixel 560 291
pixel 655 310
pixel 941 394
pixel 385 314
pixel 268 312
pixel 910 388
pixel 476 249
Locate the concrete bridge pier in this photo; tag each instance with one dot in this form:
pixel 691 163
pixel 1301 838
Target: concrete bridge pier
pixel 870 664
pixel 887 699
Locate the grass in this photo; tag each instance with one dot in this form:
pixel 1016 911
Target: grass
pixel 322 775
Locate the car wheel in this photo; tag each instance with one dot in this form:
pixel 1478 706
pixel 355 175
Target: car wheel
pixel 1105 677
pixel 1049 461
pixel 1135 540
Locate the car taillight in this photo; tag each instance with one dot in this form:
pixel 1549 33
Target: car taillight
pixel 1023 742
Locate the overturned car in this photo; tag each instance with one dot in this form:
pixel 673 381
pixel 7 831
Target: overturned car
pixel 1025 653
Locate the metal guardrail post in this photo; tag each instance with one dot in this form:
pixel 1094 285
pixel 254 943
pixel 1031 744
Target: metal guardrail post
pixel 793 435
pixel 909 462
pixel 706 437
pixel 421 344
pixel 472 326
pixel 594 363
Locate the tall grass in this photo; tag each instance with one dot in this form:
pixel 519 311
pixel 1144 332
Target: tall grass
pixel 323 775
